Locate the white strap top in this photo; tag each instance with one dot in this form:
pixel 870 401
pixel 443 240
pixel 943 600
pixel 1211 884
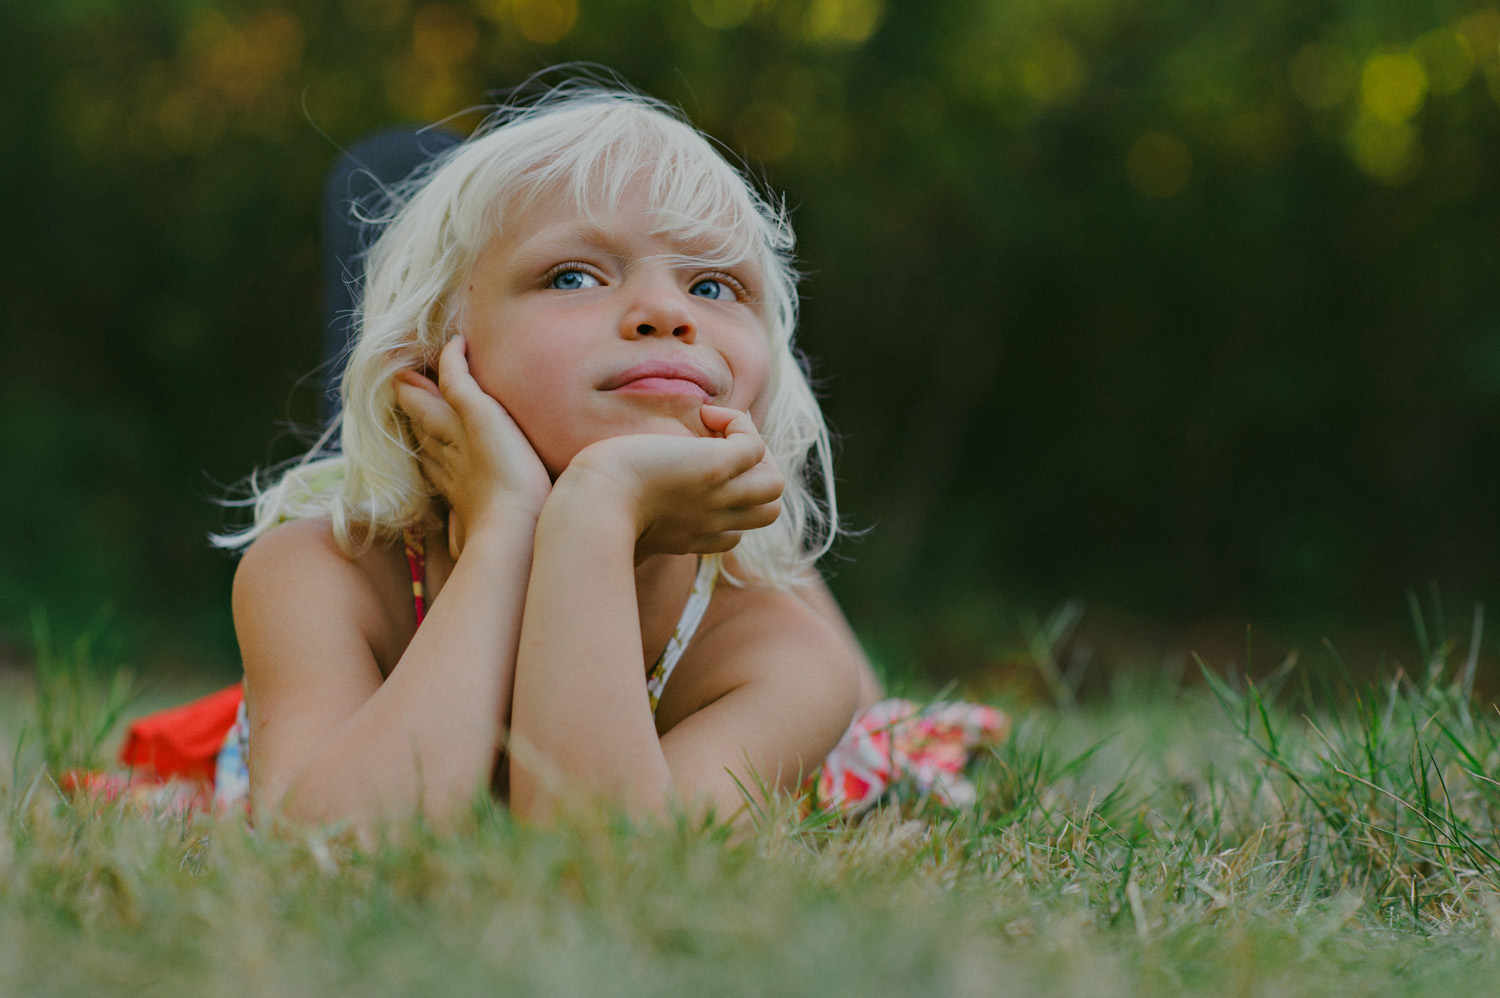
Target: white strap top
pixel 687 625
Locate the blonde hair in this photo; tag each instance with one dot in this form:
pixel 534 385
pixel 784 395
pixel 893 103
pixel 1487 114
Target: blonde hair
pixel 586 144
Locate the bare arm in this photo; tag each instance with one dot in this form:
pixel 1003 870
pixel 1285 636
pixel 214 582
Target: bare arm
pixel 580 716
pixel 330 739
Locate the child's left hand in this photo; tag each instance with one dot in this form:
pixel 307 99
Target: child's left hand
pixel 687 495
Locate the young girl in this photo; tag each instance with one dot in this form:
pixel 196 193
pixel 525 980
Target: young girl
pixel 566 546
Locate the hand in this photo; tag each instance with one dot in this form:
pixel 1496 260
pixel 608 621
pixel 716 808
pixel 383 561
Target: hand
pixel 688 495
pixel 470 449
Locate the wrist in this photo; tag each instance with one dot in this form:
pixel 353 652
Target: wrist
pixel 584 500
pixel 500 525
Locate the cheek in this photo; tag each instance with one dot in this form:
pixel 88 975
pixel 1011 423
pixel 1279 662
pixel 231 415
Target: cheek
pixel 752 387
pixel 532 389
pixel 760 406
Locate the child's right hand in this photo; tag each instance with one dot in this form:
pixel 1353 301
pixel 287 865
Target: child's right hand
pixel 470 449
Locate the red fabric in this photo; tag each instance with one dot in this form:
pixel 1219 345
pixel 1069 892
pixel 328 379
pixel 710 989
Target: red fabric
pixel 182 742
pixel 416 561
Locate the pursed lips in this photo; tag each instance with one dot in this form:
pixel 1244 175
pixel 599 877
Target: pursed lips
pixel 664 378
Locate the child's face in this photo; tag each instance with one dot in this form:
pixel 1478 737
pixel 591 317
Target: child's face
pixel 586 329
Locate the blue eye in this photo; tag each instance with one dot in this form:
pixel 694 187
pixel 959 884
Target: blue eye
pixel 573 280
pixel 714 289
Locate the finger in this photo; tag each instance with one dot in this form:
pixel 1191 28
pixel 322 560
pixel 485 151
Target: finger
pixel 726 421
pixel 430 414
pixel 454 380
pixel 455 534
pixel 741 432
pixel 745 517
pixel 762 515
pixel 716 543
pixel 724 461
pixel 746 454
pixel 740 449
pixel 756 487
pixel 418 380
pixel 436 474
pixel 717 417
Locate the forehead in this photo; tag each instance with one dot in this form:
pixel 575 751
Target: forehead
pixel 632 222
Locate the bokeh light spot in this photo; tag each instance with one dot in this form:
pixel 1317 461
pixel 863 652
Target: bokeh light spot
pixel 1322 74
pixel 382 15
pixel 190 121
pixel 443 35
pixel 1393 86
pixel 843 22
pixel 242 69
pixel 1384 149
pixel 723 14
pixel 1448 60
pixel 1159 164
pixel 1260 136
pixel 274 42
pixel 766 130
pixel 545 21
pixel 1482 31
pixel 423 92
pixel 1053 72
pixel 333 99
pixel 92 116
pixel 916 107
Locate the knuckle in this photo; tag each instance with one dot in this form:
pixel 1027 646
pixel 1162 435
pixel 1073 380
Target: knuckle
pixel 772 491
pixel 722 473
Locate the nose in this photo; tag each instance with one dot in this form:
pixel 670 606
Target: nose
pixel 658 308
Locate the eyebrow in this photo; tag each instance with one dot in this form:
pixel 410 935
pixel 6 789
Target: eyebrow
pixel 555 241
pixel 554 238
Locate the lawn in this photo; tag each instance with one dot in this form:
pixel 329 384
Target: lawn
pixel 1290 837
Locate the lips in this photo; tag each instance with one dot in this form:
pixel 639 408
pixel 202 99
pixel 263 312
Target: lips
pixel 664 377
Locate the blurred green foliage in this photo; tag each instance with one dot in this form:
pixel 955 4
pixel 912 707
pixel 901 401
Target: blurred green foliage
pixel 1186 309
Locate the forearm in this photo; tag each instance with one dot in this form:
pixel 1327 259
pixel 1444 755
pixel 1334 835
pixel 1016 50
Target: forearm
pixel 581 717
pixel 427 738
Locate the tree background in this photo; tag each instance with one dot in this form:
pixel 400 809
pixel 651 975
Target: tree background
pixel 1187 311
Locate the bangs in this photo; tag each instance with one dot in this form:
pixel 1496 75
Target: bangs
pixel 596 154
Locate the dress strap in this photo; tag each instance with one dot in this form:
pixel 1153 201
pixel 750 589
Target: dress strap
pixel 687 625
pixel 416 560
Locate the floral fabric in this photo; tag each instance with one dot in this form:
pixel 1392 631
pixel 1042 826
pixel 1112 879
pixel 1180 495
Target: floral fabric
pixel 898 747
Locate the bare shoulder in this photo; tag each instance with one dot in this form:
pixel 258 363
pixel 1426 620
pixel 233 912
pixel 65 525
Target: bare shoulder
pixel 316 637
pixel 286 564
pixel 767 689
pixel 296 579
pixel 756 636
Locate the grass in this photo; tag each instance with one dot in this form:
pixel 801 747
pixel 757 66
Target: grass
pixel 1293 836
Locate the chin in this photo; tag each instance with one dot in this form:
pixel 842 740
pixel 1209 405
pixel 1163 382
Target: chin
pixel 680 422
